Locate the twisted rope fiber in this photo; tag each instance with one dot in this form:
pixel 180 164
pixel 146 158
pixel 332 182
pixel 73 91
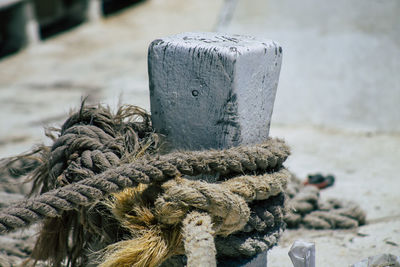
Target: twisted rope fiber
pixel 98 153
pixel 305 208
pixel 261 232
pixel 271 154
pixel 225 201
pixel 225 204
pixel 91 141
pixel 199 241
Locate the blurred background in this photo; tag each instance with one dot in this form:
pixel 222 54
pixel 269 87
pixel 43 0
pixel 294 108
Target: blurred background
pixel 340 67
pixel 337 103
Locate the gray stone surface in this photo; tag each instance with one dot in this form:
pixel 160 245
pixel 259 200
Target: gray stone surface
pixel 210 90
pixel 341 64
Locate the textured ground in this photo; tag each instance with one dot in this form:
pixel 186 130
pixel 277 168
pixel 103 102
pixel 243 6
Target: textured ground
pixel 366 170
pixel 358 142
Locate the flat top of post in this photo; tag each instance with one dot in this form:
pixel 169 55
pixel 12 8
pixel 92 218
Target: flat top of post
pixel 240 44
pixel 213 90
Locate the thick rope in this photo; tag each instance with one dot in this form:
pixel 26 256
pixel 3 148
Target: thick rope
pixel 261 232
pixel 160 212
pixel 198 236
pixel 91 141
pixel 225 202
pixel 73 158
pixel 226 209
pixel 306 209
pixel 269 155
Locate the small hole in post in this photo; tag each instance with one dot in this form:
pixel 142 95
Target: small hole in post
pixel 195 93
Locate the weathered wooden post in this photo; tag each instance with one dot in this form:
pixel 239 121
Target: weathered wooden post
pixel 211 90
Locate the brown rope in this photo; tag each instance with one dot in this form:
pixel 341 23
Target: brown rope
pixel 99 153
pixel 305 208
pixel 146 171
pixel 199 240
pixel 93 225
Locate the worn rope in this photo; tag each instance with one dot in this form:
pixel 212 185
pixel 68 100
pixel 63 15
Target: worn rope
pixel 225 202
pixel 305 208
pixel 85 192
pixel 91 141
pixel 198 237
pixel 104 186
pixel 91 224
pixel 261 232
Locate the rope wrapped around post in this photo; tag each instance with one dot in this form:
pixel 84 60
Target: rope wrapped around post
pixel 145 171
pixel 149 203
pixel 147 198
pixel 109 196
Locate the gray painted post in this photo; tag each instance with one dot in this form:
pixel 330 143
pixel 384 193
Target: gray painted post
pixel 213 91
pixel 210 90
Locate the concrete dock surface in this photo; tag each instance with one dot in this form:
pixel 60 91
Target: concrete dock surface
pixel 336 106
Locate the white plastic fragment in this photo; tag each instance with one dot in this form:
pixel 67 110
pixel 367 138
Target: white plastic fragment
pixel 302 254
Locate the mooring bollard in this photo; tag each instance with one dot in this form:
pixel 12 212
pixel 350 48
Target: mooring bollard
pixel 213 91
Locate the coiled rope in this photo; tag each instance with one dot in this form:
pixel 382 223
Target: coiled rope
pixel 104 187
pixel 146 171
pixel 98 153
pixel 305 208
